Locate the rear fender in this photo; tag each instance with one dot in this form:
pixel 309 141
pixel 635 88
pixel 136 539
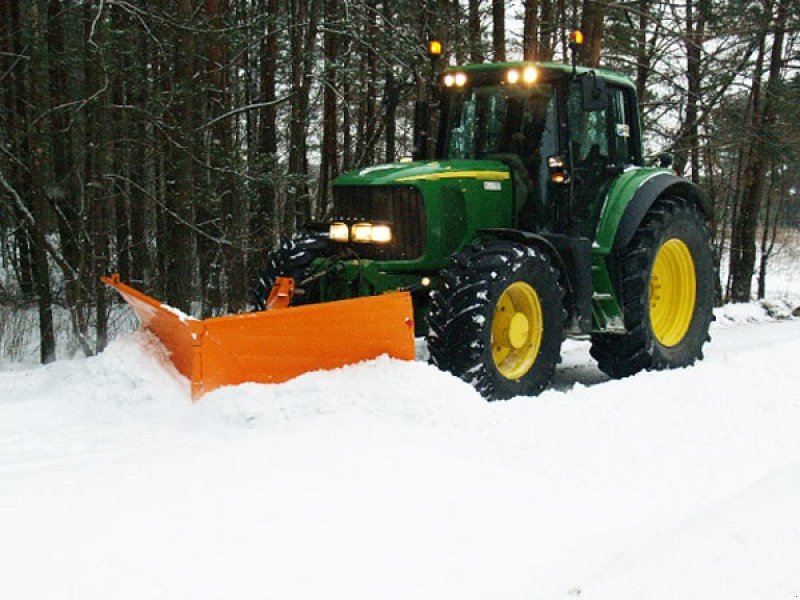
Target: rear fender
pixel 632 195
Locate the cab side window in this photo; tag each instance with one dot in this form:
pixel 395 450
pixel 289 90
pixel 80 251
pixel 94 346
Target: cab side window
pixel 588 131
pixel 623 126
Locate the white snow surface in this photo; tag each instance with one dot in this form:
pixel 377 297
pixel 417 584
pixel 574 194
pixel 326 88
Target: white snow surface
pixel 391 480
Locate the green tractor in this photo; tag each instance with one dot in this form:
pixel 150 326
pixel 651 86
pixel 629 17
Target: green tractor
pixel 535 219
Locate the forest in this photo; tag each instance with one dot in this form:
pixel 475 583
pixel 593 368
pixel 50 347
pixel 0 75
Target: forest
pixel 177 142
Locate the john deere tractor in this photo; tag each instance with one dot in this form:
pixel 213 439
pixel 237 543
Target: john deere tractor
pixel 535 219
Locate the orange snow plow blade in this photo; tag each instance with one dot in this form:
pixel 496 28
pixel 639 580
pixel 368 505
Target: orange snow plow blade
pixel 276 345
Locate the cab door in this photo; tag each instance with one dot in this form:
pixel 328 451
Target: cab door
pixel 601 145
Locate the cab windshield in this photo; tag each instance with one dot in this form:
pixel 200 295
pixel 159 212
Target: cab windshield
pixel 483 121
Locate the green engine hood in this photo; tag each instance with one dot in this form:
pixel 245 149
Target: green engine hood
pixel 432 170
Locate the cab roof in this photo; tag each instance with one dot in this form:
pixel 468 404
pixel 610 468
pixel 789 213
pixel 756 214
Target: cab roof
pixel 497 68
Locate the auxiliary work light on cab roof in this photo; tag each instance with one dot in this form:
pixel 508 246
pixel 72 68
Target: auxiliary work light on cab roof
pixel 455 79
pixel 528 75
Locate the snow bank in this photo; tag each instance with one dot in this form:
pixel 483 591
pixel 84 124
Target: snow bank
pixel 391 479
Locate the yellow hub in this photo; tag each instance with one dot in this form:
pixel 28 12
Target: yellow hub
pixel 673 288
pixel 517 327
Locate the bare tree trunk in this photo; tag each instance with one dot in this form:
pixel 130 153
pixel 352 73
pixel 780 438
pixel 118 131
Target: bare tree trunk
pixel 642 56
pixel 118 185
pixel 39 183
pixel 771 227
pixel 97 166
pixel 592 25
pixel 234 211
pixel 264 223
pixel 499 30
pixel 180 178
pixel 391 98
pixel 15 106
pixel 347 125
pixel 368 156
pixel 743 247
pixel 688 143
pixel 164 153
pixel 530 31
pixel 303 34
pixel 547 30
pixel 474 28
pixel 140 257
pixel 329 160
pixel 66 192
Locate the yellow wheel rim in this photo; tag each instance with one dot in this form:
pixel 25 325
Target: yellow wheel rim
pixel 673 288
pixel 517 327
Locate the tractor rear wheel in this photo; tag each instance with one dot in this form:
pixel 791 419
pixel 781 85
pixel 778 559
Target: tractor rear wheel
pixel 497 319
pixel 666 291
pixel 293 258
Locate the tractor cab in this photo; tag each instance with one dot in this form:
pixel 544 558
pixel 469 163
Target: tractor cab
pixel 565 134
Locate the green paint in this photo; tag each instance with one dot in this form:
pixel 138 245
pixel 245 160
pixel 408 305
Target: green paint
pixel 606 311
pixel 456 203
pixel 463 196
pixel 619 196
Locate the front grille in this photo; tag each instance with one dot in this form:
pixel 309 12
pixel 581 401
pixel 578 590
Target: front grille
pixel 400 206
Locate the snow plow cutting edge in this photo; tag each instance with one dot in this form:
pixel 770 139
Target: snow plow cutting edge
pixel 276 345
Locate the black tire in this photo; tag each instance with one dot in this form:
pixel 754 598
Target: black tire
pixel 293 258
pixel 642 347
pixel 474 289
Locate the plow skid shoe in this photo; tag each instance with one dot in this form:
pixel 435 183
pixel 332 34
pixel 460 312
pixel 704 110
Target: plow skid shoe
pixel 276 345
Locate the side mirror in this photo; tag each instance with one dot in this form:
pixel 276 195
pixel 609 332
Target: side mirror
pixel 664 160
pixel 593 92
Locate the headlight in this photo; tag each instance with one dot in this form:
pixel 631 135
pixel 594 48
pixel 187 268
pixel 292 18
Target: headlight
pixel 512 76
pixel 339 232
pixel 365 233
pixel 381 234
pixel 362 232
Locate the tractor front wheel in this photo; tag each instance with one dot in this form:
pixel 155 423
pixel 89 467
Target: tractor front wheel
pixel 293 258
pixel 497 320
pixel 666 289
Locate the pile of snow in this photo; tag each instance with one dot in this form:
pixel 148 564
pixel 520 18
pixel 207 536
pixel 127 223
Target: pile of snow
pixel 390 479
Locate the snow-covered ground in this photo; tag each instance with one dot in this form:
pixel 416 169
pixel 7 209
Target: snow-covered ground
pixel 393 480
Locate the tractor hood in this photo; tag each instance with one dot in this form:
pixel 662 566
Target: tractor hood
pixel 434 170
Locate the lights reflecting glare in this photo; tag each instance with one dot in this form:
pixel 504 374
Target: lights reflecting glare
pixel 361 232
pixel 381 234
pixel 339 232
